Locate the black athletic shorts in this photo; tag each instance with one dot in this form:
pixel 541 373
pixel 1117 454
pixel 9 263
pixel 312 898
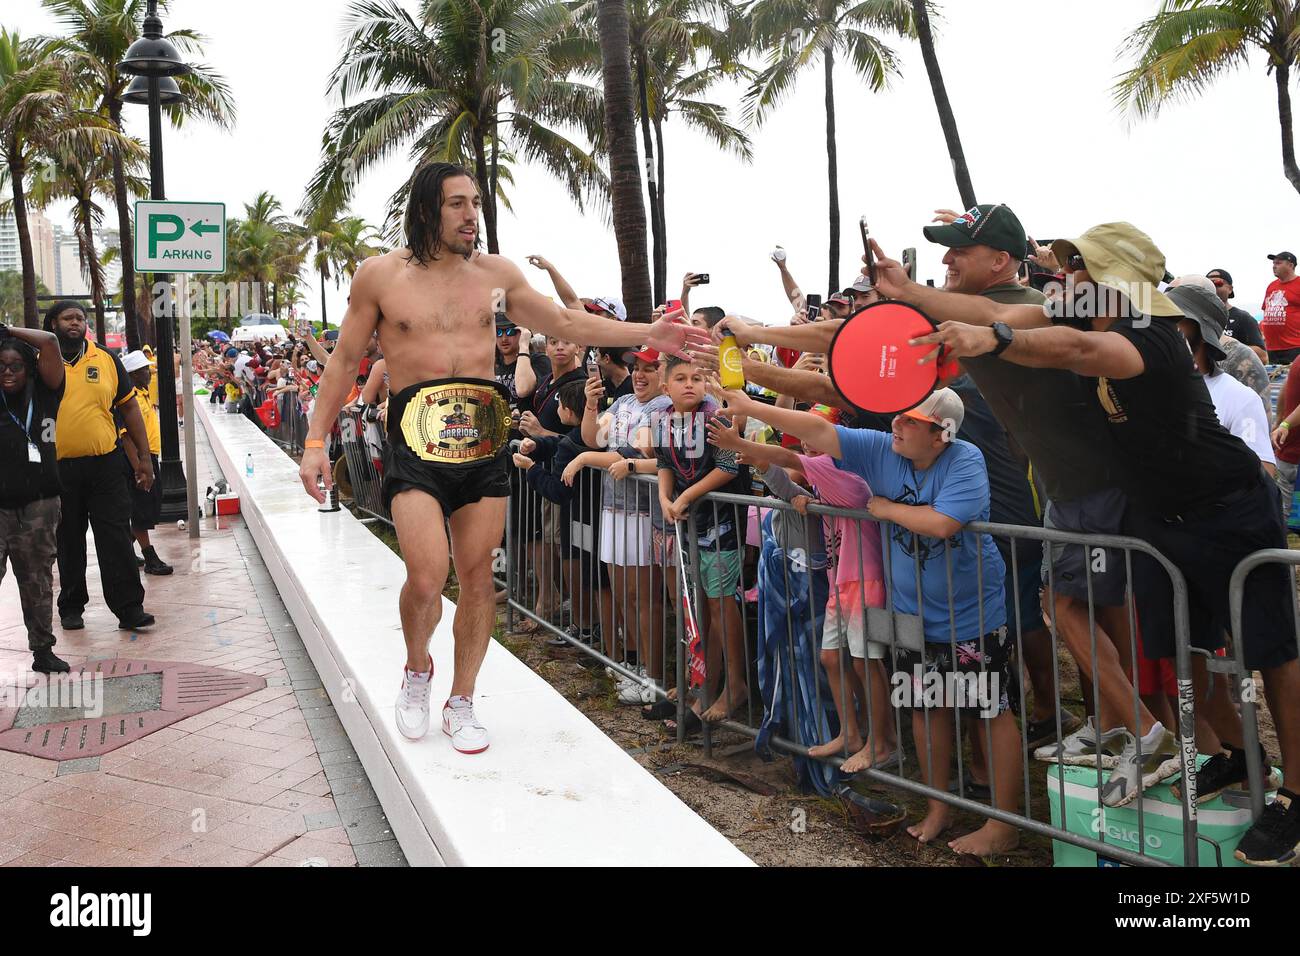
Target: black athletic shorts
pixel 1206 547
pixel 449 438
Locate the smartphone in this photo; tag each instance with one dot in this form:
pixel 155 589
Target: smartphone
pixel 909 262
pixel 593 367
pixel 814 306
pixel 701 278
pixel 866 249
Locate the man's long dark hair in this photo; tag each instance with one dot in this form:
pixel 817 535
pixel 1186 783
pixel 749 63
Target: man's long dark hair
pixel 423 223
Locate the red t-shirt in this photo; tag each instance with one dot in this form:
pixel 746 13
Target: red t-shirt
pixel 1281 321
pixel 1286 403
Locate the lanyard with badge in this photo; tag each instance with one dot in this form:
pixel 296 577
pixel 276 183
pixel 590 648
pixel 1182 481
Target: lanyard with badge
pixel 33 452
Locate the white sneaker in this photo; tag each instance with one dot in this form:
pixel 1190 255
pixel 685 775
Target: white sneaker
pixel 623 679
pixel 638 692
pixel 413 704
pixel 459 723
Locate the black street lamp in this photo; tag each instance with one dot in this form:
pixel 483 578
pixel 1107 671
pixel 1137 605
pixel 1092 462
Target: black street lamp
pixel 154 61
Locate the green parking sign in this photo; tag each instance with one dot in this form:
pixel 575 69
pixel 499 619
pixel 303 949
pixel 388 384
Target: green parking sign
pixel 180 236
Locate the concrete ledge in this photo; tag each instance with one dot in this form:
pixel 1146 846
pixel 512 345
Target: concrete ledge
pixel 552 790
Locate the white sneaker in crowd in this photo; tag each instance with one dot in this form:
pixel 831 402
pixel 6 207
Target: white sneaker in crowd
pixel 413 703
pixel 459 723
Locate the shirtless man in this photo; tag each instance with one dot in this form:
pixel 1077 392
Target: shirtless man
pixel 433 303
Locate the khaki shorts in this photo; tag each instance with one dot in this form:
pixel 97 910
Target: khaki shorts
pixel 846 620
pixel 550 522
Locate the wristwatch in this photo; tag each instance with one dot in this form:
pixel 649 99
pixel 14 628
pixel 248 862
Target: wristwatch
pixel 1002 332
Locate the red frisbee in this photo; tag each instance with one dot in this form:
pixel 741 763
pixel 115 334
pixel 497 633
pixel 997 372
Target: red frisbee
pixel 872 365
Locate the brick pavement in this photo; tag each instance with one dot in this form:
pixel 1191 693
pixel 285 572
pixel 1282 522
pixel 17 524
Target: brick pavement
pixel 266 780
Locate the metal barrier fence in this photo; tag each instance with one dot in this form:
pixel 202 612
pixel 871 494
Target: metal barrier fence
pixel 362 439
pixel 603 579
pixel 616 570
pixel 1235 665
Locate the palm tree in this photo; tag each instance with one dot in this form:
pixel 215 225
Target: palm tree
pixel 96 36
pixel 796 34
pixel 66 175
pixel 465 81
pixel 679 49
pixel 38 113
pixel 1188 44
pixel 340 245
pixel 625 177
pixel 947 120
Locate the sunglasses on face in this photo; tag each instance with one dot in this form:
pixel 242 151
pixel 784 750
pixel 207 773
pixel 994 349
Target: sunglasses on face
pixel 14 367
pixel 1217 281
pixel 507 330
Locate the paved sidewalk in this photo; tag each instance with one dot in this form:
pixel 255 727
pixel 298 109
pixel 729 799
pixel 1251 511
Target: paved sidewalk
pixel 269 779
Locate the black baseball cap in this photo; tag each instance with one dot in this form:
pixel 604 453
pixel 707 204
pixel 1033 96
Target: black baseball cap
pixel 990 225
pixel 1288 256
pixel 1223 275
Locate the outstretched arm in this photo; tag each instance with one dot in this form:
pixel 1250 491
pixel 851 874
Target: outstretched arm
pixel 562 287
pixel 813 429
pixel 1086 353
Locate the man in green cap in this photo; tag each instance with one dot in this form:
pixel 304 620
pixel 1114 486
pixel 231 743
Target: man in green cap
pixel 1202 500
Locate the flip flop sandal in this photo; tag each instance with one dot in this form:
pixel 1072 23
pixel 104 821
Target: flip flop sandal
pixel 660 710
pixel 527 626
pixel 693 724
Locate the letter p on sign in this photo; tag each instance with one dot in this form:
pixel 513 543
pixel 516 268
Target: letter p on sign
pixel 156 234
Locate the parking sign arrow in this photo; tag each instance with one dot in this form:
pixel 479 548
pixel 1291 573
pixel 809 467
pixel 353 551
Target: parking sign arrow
pixel 200 228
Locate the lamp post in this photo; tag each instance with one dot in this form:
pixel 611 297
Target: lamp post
pixel 154 61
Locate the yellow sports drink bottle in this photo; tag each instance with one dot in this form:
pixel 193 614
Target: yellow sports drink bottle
pixel 731 371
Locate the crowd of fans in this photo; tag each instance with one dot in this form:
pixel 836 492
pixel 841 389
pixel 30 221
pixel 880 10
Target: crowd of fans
pixel 1165 435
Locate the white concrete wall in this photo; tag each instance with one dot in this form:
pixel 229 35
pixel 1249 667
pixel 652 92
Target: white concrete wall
pixel 551 790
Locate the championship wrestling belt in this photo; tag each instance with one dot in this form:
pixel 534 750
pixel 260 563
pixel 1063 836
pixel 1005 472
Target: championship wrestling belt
pixel 456 422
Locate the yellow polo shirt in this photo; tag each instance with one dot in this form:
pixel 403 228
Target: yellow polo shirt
pixel 95 385
pixel 150 415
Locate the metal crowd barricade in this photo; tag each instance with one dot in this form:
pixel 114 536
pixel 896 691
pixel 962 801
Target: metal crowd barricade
pixel 1236 664
pixel 786 656
pixel 363 442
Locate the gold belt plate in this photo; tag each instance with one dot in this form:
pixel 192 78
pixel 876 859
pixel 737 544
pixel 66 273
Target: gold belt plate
pixel 456 423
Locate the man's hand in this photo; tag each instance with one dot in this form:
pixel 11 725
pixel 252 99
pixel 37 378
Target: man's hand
pixel 529 425
pixel 144 472
pixel 690 280
pixel 736 326
pixel 527 446
pixel 522 461
pixel 892 280
pixel 1045 257
pixel 706 357
pixel 960 340
pixel 540 263
pixel 946 216
pixel 314 468
pixel 801 503
pixel 671 336
pixel 620 469
pixel 724 436
pixel 811 362
pixel 1279 437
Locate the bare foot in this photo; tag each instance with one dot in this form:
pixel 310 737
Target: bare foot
pixel 836 746
pixel 866 758
pixel 934 823
pixel 992 838
pixel 724 706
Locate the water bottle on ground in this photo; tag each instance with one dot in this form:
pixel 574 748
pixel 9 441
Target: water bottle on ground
pixel 248 465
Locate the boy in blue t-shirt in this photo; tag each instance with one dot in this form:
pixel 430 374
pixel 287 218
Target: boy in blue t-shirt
pixel 927 486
